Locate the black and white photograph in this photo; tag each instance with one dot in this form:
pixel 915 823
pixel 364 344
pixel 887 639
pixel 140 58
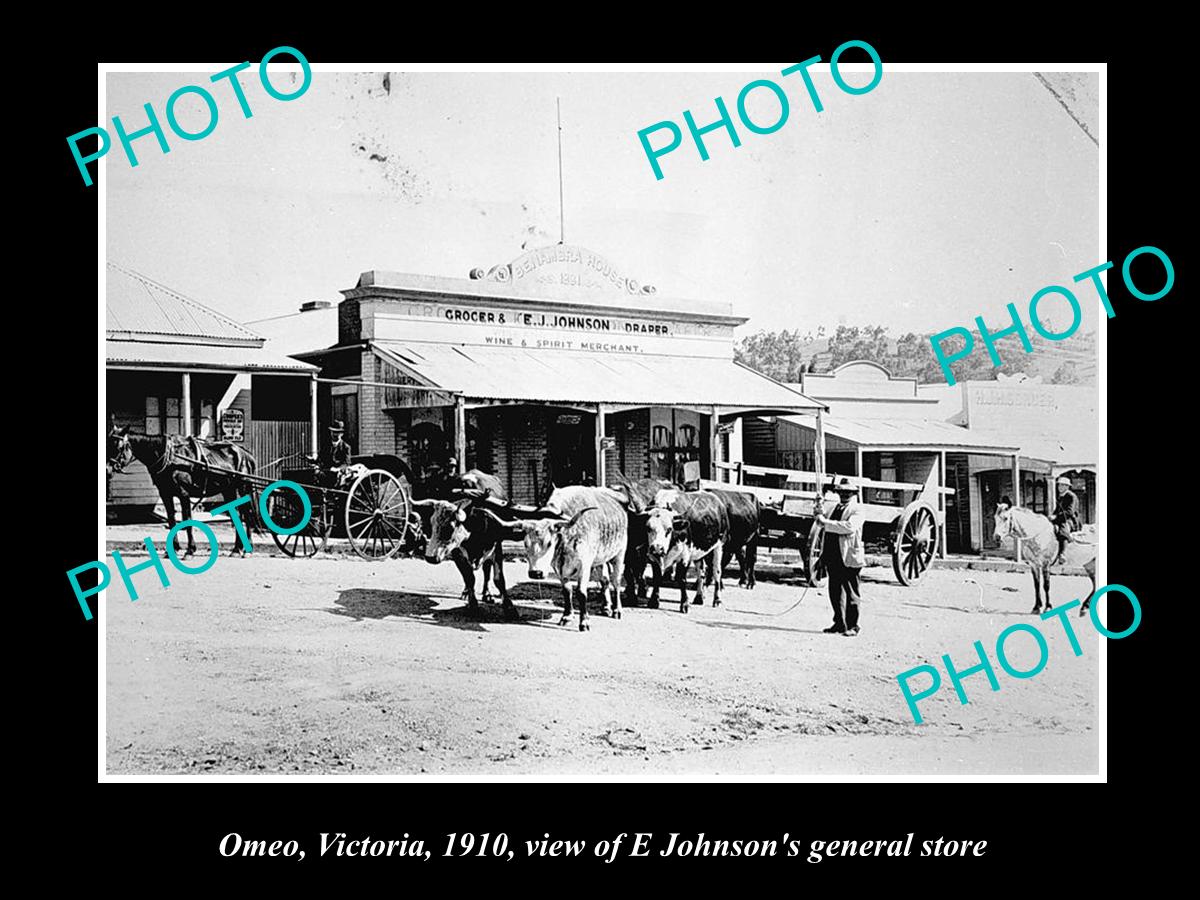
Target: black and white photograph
pixel 598 422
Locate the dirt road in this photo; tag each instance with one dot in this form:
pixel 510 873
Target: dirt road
pixel 335 665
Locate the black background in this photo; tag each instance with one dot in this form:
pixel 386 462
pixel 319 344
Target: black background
pixel 1038 825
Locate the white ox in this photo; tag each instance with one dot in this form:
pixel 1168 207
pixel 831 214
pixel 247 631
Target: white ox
pixel 578 530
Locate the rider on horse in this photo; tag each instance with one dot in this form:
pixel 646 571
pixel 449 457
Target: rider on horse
pixel 1066 516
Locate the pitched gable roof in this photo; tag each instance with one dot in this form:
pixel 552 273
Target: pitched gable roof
pixel 137 307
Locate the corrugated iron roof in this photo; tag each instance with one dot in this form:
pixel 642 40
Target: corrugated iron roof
pixel 1072 452
pixel 200 356
pixel 928 433
pixel 136 305
pixel 574 376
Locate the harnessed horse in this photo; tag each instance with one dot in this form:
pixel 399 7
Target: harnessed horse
pixel 1039 547
pixel 191 469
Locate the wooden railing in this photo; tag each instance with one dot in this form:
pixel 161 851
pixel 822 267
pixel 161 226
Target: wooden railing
pixel 809 480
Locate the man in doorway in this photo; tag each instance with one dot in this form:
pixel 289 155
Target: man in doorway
pixel 1066 516
pixel 843 556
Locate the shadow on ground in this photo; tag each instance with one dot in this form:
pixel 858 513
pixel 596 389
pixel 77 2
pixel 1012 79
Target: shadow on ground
pixel 361 604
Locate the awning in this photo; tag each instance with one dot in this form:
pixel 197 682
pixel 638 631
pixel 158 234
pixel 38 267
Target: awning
pixel 146 354
pixel 927 434
pixel 584 376
pixel 1064 454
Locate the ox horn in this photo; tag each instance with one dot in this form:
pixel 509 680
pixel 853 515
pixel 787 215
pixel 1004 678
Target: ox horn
pixel 424 502
pixel 575 518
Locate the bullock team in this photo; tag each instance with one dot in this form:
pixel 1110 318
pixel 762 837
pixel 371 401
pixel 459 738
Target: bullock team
pixel 594 534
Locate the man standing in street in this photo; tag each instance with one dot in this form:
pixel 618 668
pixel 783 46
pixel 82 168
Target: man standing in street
pixel 1066 515
pixel 843 556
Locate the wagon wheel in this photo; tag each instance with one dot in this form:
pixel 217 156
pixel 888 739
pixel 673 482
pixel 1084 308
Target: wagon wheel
pixel 915 542
pixel 815 565
pixel 286 511
pixel 377 511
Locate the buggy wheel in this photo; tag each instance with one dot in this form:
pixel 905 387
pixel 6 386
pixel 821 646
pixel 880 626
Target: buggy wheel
pixel 915 542
pixel 287 511
pixel 814 565
pixel 377 512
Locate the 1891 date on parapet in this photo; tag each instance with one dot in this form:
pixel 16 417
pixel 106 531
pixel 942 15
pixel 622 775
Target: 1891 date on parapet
pixel 635 844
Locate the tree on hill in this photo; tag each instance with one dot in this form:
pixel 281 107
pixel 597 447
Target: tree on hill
pixel 776 353
pixel 851 343
pixel 785 354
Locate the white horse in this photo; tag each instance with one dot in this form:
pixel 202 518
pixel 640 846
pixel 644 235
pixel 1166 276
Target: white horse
pixel 1039 547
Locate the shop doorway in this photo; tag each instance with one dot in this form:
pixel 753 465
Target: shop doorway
pixel 571 451
pixel 991 485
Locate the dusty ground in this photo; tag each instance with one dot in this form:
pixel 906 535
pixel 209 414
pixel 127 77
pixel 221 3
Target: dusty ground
pixel 334 665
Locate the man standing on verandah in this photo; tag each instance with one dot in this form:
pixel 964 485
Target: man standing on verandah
pixel 843 556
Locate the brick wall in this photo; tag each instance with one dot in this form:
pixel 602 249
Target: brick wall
pixel 378 431
pixel 633 445
pixel 519 453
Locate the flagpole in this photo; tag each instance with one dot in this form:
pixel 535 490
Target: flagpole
pixel 561 223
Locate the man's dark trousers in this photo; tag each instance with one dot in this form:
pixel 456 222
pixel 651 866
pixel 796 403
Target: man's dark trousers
pixel 843 593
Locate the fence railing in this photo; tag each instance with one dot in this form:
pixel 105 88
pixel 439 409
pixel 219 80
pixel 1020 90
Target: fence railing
pixel 808 480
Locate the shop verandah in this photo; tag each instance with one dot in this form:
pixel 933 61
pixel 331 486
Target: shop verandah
pixel 541 418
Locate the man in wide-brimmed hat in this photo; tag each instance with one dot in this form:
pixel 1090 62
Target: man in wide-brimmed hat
pixel 340 452
pixel 843 556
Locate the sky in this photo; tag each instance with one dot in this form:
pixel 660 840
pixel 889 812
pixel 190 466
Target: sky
pixel 932 199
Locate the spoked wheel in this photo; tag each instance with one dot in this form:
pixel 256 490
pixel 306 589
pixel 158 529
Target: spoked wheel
pixel 286 512
pixel 815 565
pixel 377 513
pixel 915 542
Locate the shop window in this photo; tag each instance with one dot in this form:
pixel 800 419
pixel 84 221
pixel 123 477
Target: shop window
pixel 1033 493
pixel 206 426
pixel 164 415
pixel 153 420
pixel 672 445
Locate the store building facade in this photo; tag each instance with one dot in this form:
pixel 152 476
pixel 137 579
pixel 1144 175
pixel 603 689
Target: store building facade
pixel 554 369
pixel 978 438
pixel 1056 428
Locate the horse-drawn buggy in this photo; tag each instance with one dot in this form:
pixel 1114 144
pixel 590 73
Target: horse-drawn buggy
pixel 368 501
pixel 902 519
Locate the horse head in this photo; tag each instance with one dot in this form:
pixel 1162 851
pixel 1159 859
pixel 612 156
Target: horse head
pixel 120 451
pixel 1004 519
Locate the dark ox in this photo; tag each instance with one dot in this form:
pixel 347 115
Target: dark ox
pixel 579 529
pixel 639 496
pixel 744 512
pixel 462 530
pixel 687 528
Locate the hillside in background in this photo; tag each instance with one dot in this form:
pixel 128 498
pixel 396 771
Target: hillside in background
pixel 784 355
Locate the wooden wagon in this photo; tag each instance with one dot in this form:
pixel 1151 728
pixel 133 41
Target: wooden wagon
pixel 903 519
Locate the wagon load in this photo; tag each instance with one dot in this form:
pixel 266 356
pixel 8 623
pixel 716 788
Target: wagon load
pixel 909 528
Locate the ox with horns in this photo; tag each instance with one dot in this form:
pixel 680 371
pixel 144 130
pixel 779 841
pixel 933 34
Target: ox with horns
pixel 578 529
pixel 462 530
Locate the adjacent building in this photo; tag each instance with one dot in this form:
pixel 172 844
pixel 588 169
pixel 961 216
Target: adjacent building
pixel 176 366
pixel 978 438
